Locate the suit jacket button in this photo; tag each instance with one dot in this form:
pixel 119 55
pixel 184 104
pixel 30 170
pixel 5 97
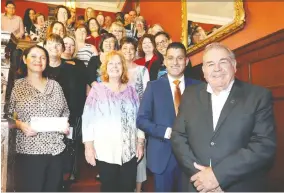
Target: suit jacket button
pixel 212 143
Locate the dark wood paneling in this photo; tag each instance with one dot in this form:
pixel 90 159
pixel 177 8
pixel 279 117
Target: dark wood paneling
pixel 262 63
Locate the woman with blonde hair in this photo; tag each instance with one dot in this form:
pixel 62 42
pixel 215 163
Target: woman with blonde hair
pixel 140 27
pixel 89 13
pixel 74 84
pixel 110 113
pixel 118 30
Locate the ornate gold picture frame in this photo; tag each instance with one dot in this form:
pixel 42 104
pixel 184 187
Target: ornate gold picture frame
pixel 221 33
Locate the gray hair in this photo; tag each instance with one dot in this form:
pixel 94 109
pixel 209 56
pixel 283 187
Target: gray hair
pixel 217 45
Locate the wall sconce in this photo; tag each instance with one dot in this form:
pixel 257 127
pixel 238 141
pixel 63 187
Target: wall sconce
pixel 70 4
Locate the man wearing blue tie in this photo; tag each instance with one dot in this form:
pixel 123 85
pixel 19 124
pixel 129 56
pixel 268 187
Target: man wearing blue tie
pixel 156 116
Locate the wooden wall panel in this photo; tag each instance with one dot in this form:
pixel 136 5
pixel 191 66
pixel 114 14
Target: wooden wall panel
pixel 268 72
pixel 262 63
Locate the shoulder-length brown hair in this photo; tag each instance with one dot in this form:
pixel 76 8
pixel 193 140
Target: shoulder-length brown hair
pixel 50 28
pixel 140 42
pixel 64 7
pixel 104 75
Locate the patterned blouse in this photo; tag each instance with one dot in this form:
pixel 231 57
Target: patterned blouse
pixel 109 119
pixel 29 102
pixel 139 77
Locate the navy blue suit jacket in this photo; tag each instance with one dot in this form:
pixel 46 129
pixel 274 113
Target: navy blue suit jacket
pixel 156 114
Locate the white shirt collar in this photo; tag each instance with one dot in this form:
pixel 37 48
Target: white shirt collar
pixel 171 79
pixel 227 90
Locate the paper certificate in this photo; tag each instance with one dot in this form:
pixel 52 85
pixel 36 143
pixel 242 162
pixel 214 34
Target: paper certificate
pixel 49 124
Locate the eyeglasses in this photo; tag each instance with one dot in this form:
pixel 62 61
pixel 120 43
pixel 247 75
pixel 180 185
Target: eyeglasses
pixel 161 43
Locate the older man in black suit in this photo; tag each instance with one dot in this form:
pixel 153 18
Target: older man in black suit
pixel 224 135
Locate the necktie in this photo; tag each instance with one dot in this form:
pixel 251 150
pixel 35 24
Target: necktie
pixel 177 95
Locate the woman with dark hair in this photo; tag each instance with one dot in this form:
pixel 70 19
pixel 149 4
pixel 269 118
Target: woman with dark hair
pixel 138 78
pixel 61 14
pixel 149 55
pixel 85 51
pixel 29 21
pixel 94 28
pixel 55 27
pixel 38 163
pixel 108 43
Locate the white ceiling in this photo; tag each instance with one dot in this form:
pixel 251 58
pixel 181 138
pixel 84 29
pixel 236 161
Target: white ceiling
pixel 109 6
pixel 219 13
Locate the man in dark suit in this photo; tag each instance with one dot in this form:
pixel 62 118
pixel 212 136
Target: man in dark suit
pixel 224 135
pixel 130 28
pixel 156 115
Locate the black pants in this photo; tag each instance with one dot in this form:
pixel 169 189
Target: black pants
pixel 116 178
pixel 71 152
pixel 38 173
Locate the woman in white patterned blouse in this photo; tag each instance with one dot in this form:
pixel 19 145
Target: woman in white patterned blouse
pixel 38 161
pixel 138 77
pixel 109 127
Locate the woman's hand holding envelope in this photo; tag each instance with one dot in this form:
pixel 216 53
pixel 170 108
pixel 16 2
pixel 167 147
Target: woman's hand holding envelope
pixel 66 129
pixel 26 128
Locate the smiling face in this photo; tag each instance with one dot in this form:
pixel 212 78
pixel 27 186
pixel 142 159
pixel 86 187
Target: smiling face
pixel 62 15
pixel 108 44
pixel 93 26
pixel 128 50
pixel 69 46
pixel 117 31
pixel 108 21
pixel 81 34
pixel 58 29
pixel 32 14
pixel 175 62
pixel 114 67
pixel 54 49
pixel 90 13
pixel 101 20
pixel 147 46
pixel 10 9
pixel 218 68
pixel 40 20
pixel 35 60
pixel 162 43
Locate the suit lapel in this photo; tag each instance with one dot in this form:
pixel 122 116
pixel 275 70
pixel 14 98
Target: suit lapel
pixel 231 102
pixel 167 94
pixel 205 99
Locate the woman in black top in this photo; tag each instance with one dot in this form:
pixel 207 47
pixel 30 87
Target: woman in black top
pixel 71 75
pixel 28 21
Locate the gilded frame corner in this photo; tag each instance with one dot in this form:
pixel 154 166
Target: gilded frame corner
pixel 224 32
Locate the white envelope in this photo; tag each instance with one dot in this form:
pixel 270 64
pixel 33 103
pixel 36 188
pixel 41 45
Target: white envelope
pixel 49 124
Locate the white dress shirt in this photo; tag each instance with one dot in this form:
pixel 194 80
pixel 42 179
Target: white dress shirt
pixel 173 89
pixel 218 101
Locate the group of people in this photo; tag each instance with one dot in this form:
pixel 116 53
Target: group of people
pixel 130 99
